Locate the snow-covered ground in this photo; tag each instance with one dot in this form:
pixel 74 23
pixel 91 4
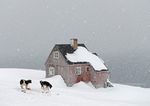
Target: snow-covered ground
pixel 80 94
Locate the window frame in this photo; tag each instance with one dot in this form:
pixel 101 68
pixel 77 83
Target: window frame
pixel 56 55
pixel 51 71
pixel 78 70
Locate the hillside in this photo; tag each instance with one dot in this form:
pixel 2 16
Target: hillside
pixel 80 94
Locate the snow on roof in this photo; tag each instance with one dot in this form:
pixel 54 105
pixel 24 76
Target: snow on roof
pixel 83 55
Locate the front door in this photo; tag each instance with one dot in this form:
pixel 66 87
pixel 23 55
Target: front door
pixel 78 74
pixel 86 75
pixel 79 78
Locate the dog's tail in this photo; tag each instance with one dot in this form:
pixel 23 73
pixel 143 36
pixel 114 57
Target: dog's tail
pixel 50 86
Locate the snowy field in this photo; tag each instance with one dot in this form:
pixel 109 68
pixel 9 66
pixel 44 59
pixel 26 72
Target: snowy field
pixel 79 95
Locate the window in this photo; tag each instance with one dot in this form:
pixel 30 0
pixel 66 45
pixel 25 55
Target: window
pixel 51 71
pixel 88 69
pixel 56 55
pixel 78 70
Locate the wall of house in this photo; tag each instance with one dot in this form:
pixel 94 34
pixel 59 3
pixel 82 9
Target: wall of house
pixel 59 64
pixel 99 78
pixel 84 76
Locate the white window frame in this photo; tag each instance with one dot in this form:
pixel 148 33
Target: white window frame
pixel 56 54
pixel 78 70
pixel 51 71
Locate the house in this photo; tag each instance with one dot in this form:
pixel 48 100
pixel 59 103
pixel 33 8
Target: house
pixel 75 63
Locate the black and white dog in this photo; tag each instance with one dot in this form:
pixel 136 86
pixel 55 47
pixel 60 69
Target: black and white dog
pixel 24 85
pixel 45 86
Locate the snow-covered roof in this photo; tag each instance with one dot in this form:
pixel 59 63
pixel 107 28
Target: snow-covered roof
pixel 81 54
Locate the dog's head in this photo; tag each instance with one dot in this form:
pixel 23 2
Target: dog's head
pixel 41 82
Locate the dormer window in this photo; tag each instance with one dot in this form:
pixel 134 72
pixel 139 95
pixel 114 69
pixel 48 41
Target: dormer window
pixel 56 55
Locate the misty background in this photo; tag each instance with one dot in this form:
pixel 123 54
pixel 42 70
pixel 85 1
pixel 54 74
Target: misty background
pixel 118 30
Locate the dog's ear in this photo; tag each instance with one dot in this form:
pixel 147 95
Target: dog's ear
pixel 21 79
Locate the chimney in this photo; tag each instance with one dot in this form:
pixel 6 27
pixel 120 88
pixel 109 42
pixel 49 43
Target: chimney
pixel 74 43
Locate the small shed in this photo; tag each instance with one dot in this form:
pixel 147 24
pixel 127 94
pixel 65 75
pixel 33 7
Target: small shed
pixel 75 63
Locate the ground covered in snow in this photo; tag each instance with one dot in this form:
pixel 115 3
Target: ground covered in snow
pixel 79 95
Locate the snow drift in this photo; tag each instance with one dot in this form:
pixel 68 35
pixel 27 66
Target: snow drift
pixel 80 94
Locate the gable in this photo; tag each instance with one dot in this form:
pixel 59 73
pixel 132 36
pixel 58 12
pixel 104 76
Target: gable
pixel 67 48
pixel 64 49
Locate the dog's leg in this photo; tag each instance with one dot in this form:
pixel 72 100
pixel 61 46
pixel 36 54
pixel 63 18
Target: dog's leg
pixel 42 87
pixel 47 89
pixel 28 88
pixel 23 88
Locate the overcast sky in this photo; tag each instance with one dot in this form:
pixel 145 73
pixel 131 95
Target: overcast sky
pixel 30 28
